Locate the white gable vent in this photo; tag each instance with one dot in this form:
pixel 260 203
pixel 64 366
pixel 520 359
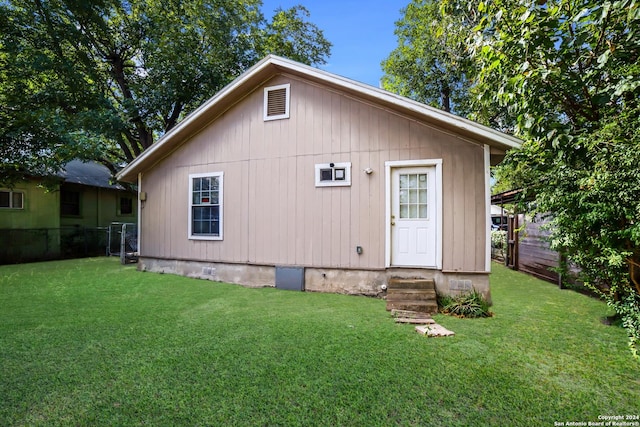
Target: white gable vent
pixel 276 102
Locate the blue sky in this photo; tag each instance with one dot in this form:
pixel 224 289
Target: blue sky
pixel 361 33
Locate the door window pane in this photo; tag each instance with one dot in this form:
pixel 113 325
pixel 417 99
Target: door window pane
pixel 413 196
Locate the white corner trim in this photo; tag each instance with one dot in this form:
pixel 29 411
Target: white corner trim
pixel 139 214
pixel 439 213
pixel 487 190
pixel 387 214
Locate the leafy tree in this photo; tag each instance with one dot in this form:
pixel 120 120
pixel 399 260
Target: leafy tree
pixel 568 73
pixel 104 79
pixel 431 63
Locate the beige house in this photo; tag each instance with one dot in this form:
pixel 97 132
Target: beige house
pixel 293 176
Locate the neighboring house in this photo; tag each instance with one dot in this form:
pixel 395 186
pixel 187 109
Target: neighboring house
pixel 88 198
pixel 36 221
pixel 293 173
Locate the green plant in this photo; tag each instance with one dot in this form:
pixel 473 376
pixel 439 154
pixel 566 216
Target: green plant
pixel 626 303
pixel 498 239
pixel 471 304
pixel 92 342
pixel 568 74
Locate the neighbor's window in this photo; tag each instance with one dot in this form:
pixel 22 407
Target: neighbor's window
pixel 276 102
pixel 69 203
pixel 11 199
pixel 126 205
pixel 205 206
pixel 333 174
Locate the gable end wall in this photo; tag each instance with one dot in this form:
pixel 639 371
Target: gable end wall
pixel 274 214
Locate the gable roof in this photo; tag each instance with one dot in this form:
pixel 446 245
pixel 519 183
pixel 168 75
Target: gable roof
pixel 272 65
pixel 87 173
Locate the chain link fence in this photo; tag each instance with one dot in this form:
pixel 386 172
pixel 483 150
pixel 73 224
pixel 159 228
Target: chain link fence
pixel 123 241
pixel 41 244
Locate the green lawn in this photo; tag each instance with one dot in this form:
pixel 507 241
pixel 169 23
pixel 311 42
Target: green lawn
pixel 89 342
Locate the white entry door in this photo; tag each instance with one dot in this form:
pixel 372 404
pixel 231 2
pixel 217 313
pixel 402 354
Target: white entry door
pixel 414 217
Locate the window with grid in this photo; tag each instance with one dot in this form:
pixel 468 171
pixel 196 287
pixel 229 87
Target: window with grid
pixel 69 203
pixel 413 196
pixel 11 199
pixel 126 205
pixel 205 211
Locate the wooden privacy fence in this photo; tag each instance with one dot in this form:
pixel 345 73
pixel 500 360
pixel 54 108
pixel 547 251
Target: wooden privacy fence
pixel 528 249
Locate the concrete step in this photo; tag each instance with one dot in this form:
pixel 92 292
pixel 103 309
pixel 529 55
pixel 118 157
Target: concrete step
pixel 419 306
pixel 398 283
pixel 411 294
pixel 409 314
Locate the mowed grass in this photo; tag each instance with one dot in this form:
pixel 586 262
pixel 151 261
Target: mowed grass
pixel 90 342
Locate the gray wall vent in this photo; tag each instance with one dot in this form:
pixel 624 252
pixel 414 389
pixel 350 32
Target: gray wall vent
pixel 290 278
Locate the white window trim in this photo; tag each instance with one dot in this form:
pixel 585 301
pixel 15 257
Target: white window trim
pixel 11 193
pixel 266 98
pixel 346 182
pixel 220 176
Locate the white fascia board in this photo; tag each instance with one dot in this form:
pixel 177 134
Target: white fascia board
pixel 193 116
pixel 483 132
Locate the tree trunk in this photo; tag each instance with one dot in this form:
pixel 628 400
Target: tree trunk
pixel 445 97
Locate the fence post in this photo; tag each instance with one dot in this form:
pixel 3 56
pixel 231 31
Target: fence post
pixel 123 249
pixel 106 249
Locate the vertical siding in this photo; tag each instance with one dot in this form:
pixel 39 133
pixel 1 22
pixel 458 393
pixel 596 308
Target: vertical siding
pixel 274 214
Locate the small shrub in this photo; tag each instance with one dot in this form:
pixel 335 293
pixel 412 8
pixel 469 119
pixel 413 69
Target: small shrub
pixel 471 304
pixel 626 302
pixel 498 239
pixel 498 244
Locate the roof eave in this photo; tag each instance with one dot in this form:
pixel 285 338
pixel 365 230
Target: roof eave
pixel 130 172
pixel 433 115
pixel 272 64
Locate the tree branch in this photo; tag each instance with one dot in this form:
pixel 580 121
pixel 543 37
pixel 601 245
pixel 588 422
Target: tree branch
pixel 170 121
pixel 145 138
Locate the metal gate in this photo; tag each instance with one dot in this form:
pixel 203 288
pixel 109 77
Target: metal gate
pixel 123 241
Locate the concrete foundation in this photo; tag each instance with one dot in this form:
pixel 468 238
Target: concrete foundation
pixel 352 282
